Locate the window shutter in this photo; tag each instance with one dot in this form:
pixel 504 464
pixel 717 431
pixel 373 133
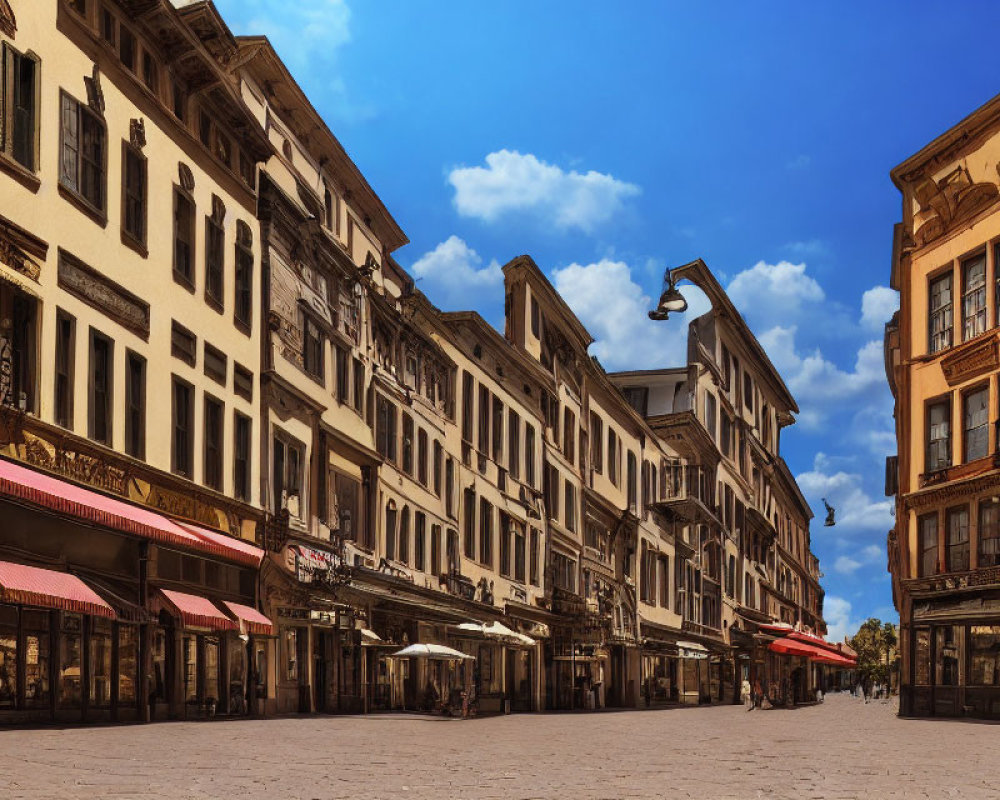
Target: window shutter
pixel 70 143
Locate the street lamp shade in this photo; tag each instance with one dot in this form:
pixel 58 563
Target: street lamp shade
pixel 671 302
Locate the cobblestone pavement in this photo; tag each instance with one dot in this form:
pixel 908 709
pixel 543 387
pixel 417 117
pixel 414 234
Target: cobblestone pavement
pixel 840 749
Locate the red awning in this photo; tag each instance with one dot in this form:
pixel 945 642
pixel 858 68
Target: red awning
pixel 249 618
pixel 198 612
pixel 49 589
pixel 64 497
pixel 830 652
pixel 795 647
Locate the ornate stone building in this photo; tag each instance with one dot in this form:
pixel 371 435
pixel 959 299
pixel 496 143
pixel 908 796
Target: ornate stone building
pixel 942 366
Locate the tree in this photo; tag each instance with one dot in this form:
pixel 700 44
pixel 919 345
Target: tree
pixel 875 644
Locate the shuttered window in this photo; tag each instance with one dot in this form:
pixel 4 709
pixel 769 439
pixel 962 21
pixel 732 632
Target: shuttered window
pixel 134 193
pixel 19 118
pixel 83 166
pixel 976 419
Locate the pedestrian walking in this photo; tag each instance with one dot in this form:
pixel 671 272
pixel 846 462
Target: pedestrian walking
pixel 745 695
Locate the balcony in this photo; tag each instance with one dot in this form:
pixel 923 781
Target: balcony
pixel 690 496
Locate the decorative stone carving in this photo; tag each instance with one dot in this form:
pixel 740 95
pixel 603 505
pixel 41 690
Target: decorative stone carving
pixel 14 257
pixel 185 176
pixel 137 133
pixel 100 292
pixel 8 23
pixel 949 201
pixel 969 362
pixel 95 94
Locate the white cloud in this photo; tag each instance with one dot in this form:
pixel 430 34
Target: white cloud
pixel 614 309
pixel 512 182
pixel 452 273
pixel 837 613
pixel 846 565
pixel 857 512
pixel 799 162
pixel 878 305
pixel 773 294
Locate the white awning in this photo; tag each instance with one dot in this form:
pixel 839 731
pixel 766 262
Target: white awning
pixel 496 630
pixel 434 652
pixel 692 650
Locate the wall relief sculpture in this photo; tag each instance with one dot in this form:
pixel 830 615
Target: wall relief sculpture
pixel 949 201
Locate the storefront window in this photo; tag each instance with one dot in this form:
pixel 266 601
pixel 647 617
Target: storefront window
pixel 946 646
pixel 128 662
pixel 489 670
pixel 100 663
pixel 189 645
pixel 922 658
pixel 37 641
pixel 260 660
pixel 159 687
pixel 211 670
pixel 984 650
pixel 8 656
pixel 70 662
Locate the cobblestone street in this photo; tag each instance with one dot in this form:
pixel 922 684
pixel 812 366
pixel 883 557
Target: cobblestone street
pixel 841 749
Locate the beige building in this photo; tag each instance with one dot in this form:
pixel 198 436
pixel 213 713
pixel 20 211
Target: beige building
pixel 942 365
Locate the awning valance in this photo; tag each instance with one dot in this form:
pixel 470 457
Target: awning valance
pixel 197 612
pixel 434 652
pixel 63 497
pixel 250 619
pixel 33 586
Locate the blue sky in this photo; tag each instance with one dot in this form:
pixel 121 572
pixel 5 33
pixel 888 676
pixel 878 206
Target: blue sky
pixel 610 140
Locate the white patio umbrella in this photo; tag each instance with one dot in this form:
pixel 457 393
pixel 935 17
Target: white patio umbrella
pixel 496 630
pixel 434 652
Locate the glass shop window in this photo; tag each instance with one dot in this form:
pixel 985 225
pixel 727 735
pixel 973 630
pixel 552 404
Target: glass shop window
pixel 922 657
pixel 947 648
pixel 71 662
pixel 189 649
pixel 159 687
pixel 8 657
pixel 128 664
pixel 984 655
pixel 260 669
pixel 211 670
pixel 37 643
pixel 100 663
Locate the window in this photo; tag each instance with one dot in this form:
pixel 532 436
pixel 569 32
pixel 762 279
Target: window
pixel 612 456
pixel 710 411
pixel 419 540
pixel 19 120
pixel 312 347
pixel 150 72
pixel 215 248
pixel 215 364
pixel 243 382
pixel 83 167
pixel 536 315
pixel 286 473
pixel 550 491
pixel 101 384
pixel 183 344
pixel 484 420
pixel 135 405
pixel 529 455
pixel 957 532
pixel 564 572
pixel 938 436
pixel 519 554
pixel 133 194
pixel 637 397
pixel 359 385
pixel 180 102
pixel 213 443
pixel 422 454
pixel 438 464
pixel 449 487
pixel 570 507
pixel 343 374
pixel 182 441
pixel 973 297
pixel 941 319
pixel 989 533
pixel 632 483
pixel 726 435
pixel 534 555
pixel 407 444
pixel 469 522
pixel 569 435
pixel 485 532
pixel 126 48
pixel 65 368
pixel 385 428
pixel 242 449
pixel 390 530
pixel 664 581
pixel 183 237
pixel 497 429
pixel 596 443
pixel 506 533
pixel 404 536
pixel 513 443
pixel 468 401
pixel 243 305
pixel 975 417
pixel 18 379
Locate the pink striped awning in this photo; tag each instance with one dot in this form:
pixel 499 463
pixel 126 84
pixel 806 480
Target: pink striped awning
pixel 197 612
pixel 250 619
pixel 33 586
pixel 49 492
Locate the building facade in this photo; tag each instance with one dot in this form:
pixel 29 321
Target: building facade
pixel 244 461
pixel 942 366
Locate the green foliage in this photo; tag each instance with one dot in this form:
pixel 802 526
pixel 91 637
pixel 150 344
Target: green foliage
pixel 875 644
